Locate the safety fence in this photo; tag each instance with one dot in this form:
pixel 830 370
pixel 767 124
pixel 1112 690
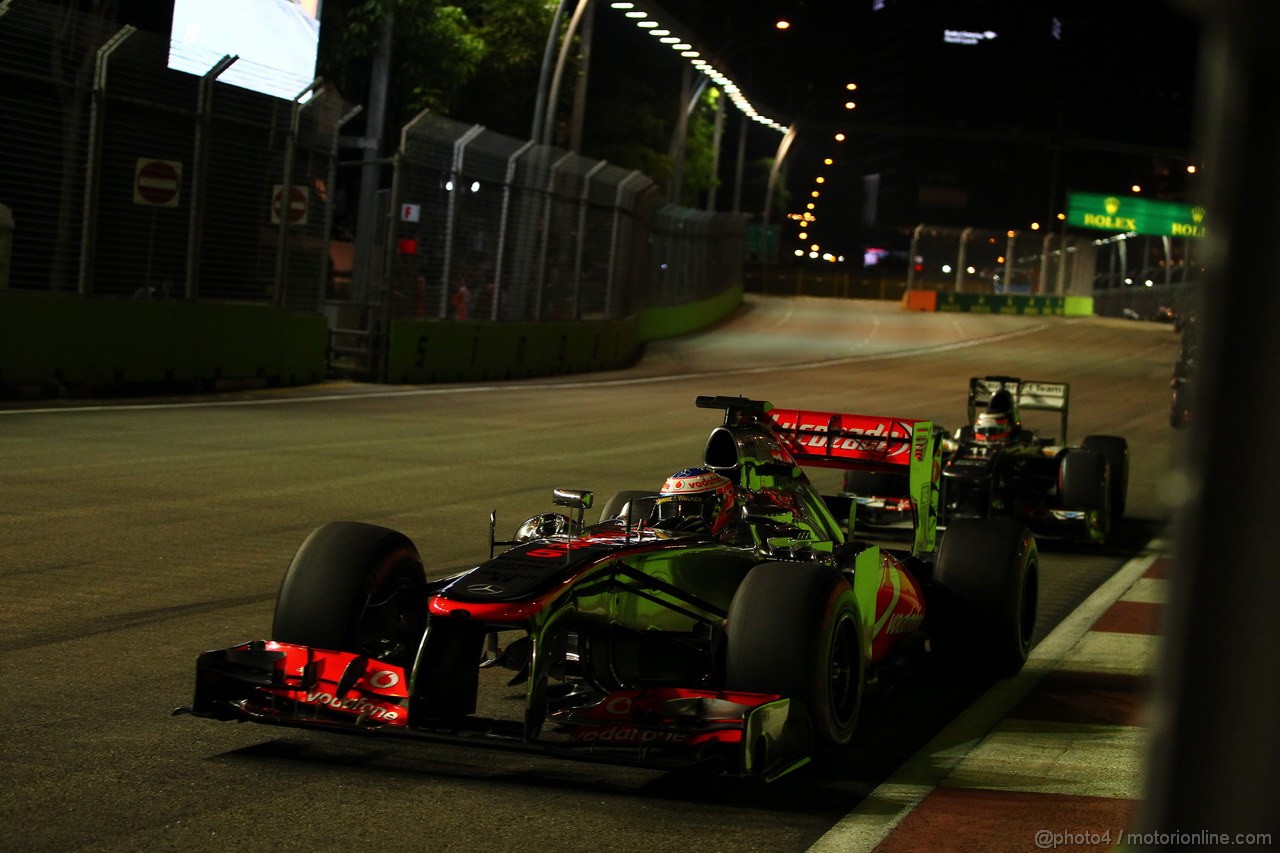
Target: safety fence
pixel 1141 273
pixel 1158 302
pixel 825 281
pixel 128 179
pixel 491 227
pixel 973 260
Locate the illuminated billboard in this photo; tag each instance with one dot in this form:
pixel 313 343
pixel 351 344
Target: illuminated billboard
pixel 1139 215
pixel 275 40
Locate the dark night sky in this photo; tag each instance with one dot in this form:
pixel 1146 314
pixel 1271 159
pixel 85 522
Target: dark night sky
pixel 1113 81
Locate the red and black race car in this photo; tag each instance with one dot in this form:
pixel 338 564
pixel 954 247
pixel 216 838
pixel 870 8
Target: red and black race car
pixel 996 467
pixel 742 640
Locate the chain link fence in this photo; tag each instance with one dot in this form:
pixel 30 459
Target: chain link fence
pixel 131 179
pixel 972 260
pixel 128 179
pixel 492 227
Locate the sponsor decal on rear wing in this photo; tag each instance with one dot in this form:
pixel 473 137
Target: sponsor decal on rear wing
pixel 826 439
pixel 829 440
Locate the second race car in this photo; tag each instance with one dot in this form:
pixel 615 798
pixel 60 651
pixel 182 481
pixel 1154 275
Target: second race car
pixel 995 467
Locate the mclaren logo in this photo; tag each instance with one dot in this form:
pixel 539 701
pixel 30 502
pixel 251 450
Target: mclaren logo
pixel 484 588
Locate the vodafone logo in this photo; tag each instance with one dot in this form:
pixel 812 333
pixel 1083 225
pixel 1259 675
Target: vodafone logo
pixel 619 705
pixel 384 679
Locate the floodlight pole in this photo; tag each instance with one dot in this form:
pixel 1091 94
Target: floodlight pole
pixel 544 76
pixel 370 172
pixel 783 147
pixel 549 118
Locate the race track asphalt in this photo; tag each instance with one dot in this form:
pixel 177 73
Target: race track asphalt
pixel 135 534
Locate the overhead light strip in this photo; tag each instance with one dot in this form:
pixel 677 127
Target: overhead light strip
pixel 646 18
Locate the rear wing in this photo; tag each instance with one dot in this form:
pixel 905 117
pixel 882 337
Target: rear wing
pixel 1028 394
pixel 869 442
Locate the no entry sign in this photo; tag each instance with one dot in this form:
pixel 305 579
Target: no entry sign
pixel 298 198
pixel 157 182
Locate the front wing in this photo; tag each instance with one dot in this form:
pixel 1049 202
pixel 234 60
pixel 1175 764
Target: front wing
pixel 741 734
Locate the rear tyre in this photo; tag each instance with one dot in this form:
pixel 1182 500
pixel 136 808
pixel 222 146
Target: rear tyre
pixel 793 629
pixel 1083 484
pixel 356 588
pixel 1116 451
pixel 1180 407
pixel 985 594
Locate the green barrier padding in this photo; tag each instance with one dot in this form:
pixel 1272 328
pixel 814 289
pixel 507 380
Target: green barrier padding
pixel 425 351
pixel 64 339
pixel 1011 303
pixel 6 244
pixel 1078 306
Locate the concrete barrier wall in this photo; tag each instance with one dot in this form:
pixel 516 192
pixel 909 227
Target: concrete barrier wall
pixel 50 340
pixel 476 351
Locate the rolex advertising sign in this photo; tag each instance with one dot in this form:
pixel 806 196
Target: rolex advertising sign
pixel 1140 215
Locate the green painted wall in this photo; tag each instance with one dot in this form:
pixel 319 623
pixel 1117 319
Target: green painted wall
pixel 50 339
pixel 63 339
pixel 477 351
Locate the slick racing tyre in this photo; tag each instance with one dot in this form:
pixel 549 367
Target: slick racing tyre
pixel 1180 407
pixel 982 614
pixel 1084 484
pixel 356 588
pixel 1116 451
pixel 793 629
pixel 639 509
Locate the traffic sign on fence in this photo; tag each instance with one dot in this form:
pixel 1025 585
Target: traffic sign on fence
pixel 760 241
pixel 157 182
pixel 298 199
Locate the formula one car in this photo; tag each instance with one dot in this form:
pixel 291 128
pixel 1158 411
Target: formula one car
pixel 1184 370
pixel 997 468
pixel 728 621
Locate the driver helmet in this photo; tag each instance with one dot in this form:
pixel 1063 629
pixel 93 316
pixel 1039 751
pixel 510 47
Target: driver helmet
pixel 999 420
pixel 695 497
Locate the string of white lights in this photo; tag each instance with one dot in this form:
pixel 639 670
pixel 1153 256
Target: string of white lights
pixel 648 18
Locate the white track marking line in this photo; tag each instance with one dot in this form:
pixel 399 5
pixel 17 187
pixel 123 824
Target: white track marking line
pixel 535 386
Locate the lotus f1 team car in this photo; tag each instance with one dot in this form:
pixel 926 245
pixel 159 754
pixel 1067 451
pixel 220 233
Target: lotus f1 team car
pixel 996 468
pixel 646 638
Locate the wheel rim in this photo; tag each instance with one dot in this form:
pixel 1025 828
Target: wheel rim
pixel 393 612
pixel 1027 611
pixel 844 672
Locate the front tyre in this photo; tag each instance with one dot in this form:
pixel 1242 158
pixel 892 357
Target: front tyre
pixel 356 588
pixel 1084 485
pixel 982 612
pixel 793 629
